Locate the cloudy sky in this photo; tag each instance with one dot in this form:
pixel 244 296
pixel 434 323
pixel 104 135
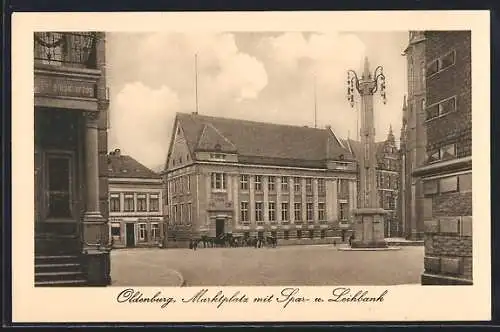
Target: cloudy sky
pixel 256 76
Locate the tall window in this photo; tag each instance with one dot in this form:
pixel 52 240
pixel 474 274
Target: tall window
pixel 181 214
pixel 155 231
pixel 115 229
pixel 298 211
pixel 114 202
pixel 244 182
pixel 154 202
pixel 321 186
pixel 59 186
pixel 141 202
pixel 309 211
pixel 218 181
pixel 321 211
pixel 296 184
pixel 244 211
pixel 271 185
pixel 343 186
pixel 309 185
pixel 188 183
pixel 258 211
pixel 188 213
pixel 128 202
pixel 284 211
pixel 284 183
pixel 143 232
pixel 343 211
pixel 258 182
pixel 272 211
pixel 181 184
pixel 174 214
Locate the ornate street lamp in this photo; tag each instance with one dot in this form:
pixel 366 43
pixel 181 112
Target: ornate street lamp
pixel 369 218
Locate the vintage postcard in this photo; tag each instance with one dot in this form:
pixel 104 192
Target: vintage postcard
pixel 252 167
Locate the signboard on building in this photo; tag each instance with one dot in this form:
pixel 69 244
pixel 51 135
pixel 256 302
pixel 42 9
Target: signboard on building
pixel 59 86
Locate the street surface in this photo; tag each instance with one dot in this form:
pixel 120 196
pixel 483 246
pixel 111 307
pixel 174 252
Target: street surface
pixel 319 265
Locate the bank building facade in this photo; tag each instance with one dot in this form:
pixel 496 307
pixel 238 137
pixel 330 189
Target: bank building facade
pixel 70 145
pixel 257 179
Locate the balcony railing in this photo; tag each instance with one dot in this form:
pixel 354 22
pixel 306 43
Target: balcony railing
pixel 70 49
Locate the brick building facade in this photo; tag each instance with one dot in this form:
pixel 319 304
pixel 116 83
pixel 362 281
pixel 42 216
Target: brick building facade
pixel 135 203
pixel 388 172
pixel 257 179
pixel 447 172
pixel 71 189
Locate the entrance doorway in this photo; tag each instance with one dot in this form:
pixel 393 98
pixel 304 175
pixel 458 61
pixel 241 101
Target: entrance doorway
pixel 130 235
pixel 219 227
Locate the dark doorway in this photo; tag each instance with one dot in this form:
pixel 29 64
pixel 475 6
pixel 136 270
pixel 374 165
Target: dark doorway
pixel 343 235
pixel 130 235
pixel 219 227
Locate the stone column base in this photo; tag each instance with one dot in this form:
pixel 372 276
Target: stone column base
pixel 368 244
pixel 435 279
pixel 368 228
pixel 97 267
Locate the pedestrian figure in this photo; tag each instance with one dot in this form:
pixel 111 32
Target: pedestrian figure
pixel 195 245
pixel 334 243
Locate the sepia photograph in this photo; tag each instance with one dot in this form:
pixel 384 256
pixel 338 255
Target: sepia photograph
pixel 201 160
pixel 339 154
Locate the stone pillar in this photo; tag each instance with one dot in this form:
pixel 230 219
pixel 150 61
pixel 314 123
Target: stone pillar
pixel 236 202
pixel 335 202
pixel 265 184
pixel 352 197
pixel 315 200
pixel 291 206
pixel 278 198
pixel 304 199
pixel 369 219
pixel 95 233
pixel 251 200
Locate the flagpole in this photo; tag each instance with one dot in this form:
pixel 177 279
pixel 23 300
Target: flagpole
pixel 196 79
pixel 315 105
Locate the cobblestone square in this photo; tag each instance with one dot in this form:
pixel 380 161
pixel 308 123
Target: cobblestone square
pixel 319 265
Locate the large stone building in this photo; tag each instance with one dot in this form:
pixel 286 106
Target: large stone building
pixel 413 139
pixel 256 179
pixel 71 190
pixel 388 172
pixel 135 203
pixel 446 174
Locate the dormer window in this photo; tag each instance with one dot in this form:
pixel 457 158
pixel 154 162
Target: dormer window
pixel 217 156
pixel 217 147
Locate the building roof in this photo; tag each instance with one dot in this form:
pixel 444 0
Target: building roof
pixel 260 142
pixel 356 147
pixel 123 166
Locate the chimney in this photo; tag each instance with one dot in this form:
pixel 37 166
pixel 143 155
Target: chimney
pixel 117 152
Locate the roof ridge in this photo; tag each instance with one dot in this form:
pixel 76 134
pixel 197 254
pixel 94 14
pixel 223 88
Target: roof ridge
pixel 251 121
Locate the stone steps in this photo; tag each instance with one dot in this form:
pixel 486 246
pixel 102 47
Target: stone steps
pixel 59 270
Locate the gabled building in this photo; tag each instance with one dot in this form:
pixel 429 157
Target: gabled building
pixel 135 203
pixel 388 179
pixel 257 179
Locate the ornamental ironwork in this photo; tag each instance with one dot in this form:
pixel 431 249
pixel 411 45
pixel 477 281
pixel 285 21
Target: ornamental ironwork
pixel 72 49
